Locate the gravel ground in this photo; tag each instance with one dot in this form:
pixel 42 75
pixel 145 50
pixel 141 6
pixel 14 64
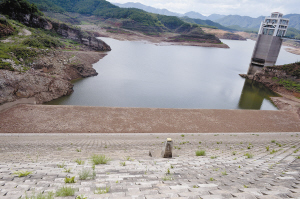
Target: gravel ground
pixel 224 172
pixel 78 119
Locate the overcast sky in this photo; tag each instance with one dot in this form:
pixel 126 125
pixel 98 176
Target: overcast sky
pixel 253 8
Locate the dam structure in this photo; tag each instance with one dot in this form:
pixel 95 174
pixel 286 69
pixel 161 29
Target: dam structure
pixel 268 44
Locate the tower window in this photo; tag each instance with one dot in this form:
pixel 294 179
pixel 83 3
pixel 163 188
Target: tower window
pixel 265 31
pixel 271 31
pixel 274 15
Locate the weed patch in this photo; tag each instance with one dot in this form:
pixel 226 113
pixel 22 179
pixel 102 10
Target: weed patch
pixel 248 155
pixel 70 180
pixel 200 153
pixel 22 173
pixel 99 159
pixel 65 191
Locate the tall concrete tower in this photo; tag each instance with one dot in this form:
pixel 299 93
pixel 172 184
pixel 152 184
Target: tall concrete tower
pixel 268 43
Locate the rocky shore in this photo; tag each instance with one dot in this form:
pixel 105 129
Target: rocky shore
pixel 284 80
pixel 31 70
pixel 50 76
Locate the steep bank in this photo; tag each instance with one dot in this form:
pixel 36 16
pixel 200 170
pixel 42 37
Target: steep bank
pixel 49 77
pixel 40 56
pixel 285 80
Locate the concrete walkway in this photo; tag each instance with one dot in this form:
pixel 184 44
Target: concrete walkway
pixel 235 165
pixel 78 119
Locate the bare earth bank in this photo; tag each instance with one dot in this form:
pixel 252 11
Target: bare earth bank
pixel 78 119
pixel 127 35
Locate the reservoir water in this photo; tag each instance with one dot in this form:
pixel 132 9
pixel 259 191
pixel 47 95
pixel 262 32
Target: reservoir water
pixel 139 74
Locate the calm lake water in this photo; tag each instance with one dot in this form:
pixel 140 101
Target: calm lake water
pixel 138 74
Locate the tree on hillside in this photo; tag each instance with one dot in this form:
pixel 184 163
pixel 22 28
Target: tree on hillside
pixel 14 8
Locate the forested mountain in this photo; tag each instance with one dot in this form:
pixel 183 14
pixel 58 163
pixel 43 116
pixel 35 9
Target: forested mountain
pixel 242 21
pixel 191 14
pixel 129 18
pixel 195 15
pixel 245 22
pixel 294 20
pixel 208 23
pixel 147 8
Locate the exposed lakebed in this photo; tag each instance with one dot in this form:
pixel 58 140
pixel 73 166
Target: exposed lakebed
pixel 139 74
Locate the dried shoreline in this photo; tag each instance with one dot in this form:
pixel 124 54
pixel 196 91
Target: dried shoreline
pixel 128 35
pixel 84 119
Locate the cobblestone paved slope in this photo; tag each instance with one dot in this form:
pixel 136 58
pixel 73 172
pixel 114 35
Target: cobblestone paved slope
pixel 224 172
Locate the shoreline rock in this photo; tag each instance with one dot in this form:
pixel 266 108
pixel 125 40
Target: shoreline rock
pixel 290 100
pixel 50 76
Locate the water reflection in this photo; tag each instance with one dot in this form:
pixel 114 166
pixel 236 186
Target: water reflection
pixel 253 95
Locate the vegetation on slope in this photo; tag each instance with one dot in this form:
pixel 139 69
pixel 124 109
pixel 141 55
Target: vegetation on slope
pixel 17 8
pixel 206 23
pixel 6 28
pixel 291 81
pixel 129 18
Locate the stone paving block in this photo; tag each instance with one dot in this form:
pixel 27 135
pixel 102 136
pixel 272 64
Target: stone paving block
pixel 133 190
pixel 179 187
pixel 211 197
pixel 159 196
pixel 244 196
pixel 276 193
pixel 224 194
pixel 253 191
pixel 268 197
pixel 190 195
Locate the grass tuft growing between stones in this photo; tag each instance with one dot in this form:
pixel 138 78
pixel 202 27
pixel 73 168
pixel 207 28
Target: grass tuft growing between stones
pixel 248 155
pixel 102 191
pixel 273 151
pixel 100 159
pixel 67 170
pixel 200 153
pixel 61 165
pixel 70 180
pixel 79 162
pixel 167 178
pixel 22 173
pixel 49 195
pixel 81 197
pixel 65 191
pixel 224 173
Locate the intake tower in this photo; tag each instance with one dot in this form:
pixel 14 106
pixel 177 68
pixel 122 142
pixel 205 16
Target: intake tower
pixel 268 43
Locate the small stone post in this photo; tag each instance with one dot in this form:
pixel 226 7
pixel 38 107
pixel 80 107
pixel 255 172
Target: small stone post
pixel 167 150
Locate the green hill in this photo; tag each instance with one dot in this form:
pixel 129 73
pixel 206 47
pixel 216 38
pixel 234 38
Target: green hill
pixel 206 23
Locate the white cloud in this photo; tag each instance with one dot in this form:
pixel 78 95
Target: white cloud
pixel 253 8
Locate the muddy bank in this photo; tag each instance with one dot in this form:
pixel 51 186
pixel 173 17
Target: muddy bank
pixel 80 119
pixel 128 35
